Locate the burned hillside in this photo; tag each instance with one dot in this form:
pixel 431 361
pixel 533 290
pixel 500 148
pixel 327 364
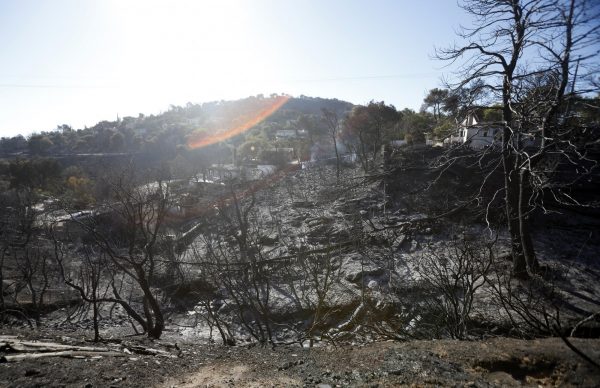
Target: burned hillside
pixel 305 259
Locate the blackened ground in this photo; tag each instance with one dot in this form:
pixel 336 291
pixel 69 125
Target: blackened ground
pixel 491 362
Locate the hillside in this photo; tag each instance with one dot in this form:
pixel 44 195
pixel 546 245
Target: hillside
pixel 260 224
pixel 168 131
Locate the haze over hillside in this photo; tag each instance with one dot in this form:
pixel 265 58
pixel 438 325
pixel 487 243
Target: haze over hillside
pixel 79 62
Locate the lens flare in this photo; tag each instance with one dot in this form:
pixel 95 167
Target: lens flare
pixel 238 125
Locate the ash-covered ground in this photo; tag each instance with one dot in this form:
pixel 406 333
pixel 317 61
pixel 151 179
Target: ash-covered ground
pixel 364 289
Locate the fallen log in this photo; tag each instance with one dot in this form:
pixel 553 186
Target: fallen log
pixel 149 351
pixel 34 349
pixel 30 346
pixel 67 354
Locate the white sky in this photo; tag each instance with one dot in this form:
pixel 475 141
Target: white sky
pixel 79 62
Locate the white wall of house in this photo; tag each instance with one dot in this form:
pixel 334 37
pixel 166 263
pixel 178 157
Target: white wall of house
pixel 290 133
pixel 474 134
pixel 480 136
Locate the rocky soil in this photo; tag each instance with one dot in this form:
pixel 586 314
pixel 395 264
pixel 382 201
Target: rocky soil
pixel 484 363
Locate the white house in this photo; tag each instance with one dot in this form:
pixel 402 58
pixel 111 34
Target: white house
pixel 290 134
pixel 475 134
pixel 479 135
pixel 218 172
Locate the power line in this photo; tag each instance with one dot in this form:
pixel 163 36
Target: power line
pixel 367 77
pixel 324 79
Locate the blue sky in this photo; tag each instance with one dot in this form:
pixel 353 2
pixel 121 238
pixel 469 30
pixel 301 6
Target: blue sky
pixel 78 62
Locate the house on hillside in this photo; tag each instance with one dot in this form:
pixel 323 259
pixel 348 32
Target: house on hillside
pixel 283 134
pixel 476 134
pixel 219 172
pixel 195 121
